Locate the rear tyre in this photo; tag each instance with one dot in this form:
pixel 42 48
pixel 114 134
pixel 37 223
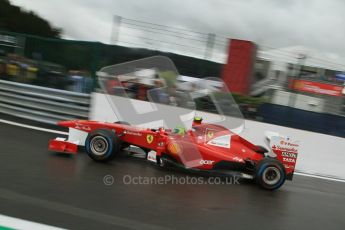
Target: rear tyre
pixel 270 174
pixel 102 145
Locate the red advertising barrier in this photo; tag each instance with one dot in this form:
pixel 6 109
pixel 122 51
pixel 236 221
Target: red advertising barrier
pixel 237 72
pixel 316 87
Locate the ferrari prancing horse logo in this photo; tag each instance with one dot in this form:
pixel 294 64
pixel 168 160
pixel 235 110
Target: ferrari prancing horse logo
pixel 149 138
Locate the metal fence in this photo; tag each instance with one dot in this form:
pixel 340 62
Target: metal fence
pixel 42 104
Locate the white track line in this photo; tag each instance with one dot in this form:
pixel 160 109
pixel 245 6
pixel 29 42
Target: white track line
pixel 319 177
pixel 15 223
pixel 33 127
pixel 66 133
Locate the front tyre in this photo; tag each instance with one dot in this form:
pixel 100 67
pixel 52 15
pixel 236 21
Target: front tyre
pixel 102 145
pixel 270 174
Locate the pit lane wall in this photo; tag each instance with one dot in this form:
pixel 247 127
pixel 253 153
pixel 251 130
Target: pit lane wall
pixel 320 154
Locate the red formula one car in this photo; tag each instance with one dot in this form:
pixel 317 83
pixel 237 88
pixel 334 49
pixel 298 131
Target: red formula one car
pixel 205 147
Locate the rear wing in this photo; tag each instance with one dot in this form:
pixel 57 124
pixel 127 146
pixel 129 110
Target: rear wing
pixel 285 150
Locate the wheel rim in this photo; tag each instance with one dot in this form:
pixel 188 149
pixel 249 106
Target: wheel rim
pixel 271 175
pixel 99 145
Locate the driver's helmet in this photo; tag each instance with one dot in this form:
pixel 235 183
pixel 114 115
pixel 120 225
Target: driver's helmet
pixel 197 120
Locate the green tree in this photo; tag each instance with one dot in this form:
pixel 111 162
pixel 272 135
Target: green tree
pixel 15 19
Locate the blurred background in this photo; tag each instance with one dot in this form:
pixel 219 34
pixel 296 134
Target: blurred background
pixel 278 73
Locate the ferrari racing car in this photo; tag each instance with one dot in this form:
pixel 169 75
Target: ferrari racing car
pixel 221 151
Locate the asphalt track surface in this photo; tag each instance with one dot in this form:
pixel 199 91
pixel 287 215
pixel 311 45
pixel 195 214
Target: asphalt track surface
pixel 69 192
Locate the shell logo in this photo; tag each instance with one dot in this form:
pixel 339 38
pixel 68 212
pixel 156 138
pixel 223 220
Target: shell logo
pixel 174 148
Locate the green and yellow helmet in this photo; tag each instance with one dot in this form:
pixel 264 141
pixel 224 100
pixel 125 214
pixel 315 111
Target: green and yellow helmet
pixel 197 120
